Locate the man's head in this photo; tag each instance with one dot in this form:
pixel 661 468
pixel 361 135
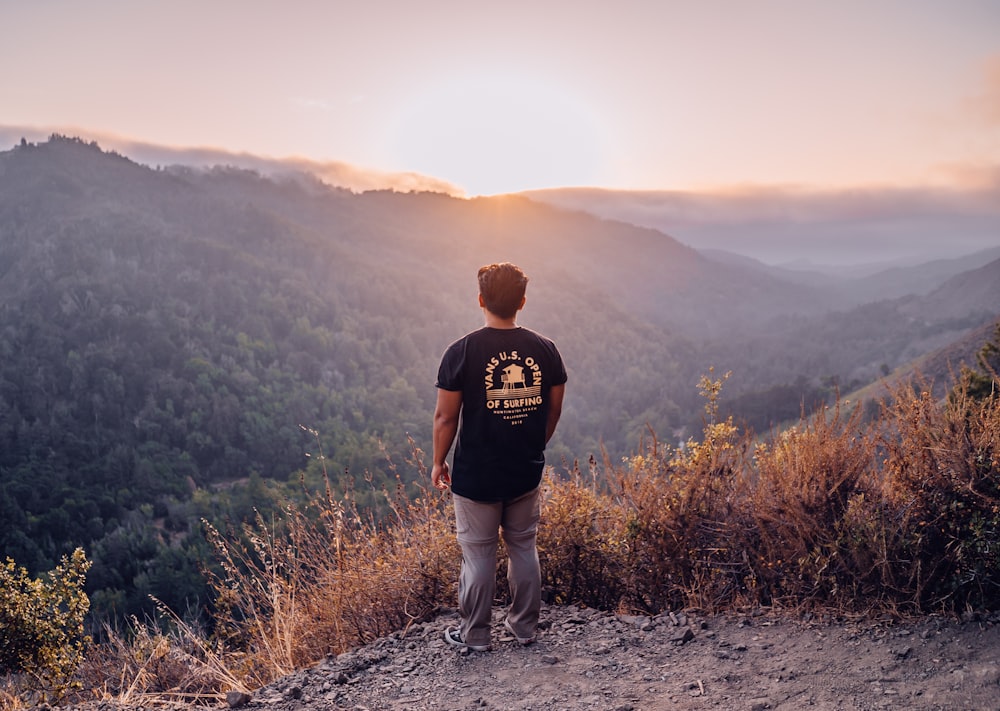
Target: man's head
pixel 502 288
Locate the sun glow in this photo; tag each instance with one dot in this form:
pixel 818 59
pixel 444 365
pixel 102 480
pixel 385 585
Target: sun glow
pixel 494 133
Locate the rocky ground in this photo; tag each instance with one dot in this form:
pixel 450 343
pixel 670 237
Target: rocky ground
pixel 586 660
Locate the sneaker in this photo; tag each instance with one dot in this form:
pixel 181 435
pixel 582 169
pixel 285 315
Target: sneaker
pixel 453 636
pixel 523 641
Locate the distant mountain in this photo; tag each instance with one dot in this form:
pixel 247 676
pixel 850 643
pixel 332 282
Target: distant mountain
pixel 803 276
pixel 902 281
pixel 795 227
pixel 971 292
pixel 846 290
pixel 645 272
pixel 937 368
pixel 849 348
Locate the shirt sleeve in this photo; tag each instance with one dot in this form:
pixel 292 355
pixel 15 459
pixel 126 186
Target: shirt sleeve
pixel 449 376
pixel 560 377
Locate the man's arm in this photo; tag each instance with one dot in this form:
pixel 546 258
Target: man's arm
pixel 556 394
pixel 449 405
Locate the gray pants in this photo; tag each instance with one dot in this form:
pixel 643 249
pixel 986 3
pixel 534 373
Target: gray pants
pixel 478 524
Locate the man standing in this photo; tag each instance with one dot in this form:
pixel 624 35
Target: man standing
pixel 500 389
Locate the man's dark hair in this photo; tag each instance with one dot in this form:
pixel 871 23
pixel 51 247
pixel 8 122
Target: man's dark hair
pixel 502 287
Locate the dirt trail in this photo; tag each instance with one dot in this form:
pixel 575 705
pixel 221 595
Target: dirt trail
pixel 585 660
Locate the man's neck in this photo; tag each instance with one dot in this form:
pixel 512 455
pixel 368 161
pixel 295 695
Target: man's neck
pixel 494 321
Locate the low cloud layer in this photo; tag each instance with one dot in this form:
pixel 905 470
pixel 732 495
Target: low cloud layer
pixel 341 175
pixel 787 225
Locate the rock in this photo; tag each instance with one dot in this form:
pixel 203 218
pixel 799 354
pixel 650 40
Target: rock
pixel 237 699
pixel 683 637
pixel 634 620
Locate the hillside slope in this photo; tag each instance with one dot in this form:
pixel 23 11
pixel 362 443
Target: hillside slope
pixel 165 333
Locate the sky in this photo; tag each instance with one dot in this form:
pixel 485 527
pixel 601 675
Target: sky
pixel 494 97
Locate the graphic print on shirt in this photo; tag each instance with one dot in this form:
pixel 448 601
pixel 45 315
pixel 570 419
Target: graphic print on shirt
pixel 513 386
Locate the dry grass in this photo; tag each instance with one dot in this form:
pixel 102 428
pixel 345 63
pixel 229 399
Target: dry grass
pixel 897 514
pixel 327 578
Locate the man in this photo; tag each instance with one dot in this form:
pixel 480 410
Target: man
pixel 500 389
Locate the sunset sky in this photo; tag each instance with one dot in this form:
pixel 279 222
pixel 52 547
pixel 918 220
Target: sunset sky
pixel 507 96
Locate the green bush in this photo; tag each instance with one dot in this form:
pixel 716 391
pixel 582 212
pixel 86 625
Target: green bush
pixel 41 622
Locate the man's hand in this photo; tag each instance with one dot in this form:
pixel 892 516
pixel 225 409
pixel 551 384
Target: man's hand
pixel 441 476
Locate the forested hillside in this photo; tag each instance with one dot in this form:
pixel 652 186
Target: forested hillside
pixel 165 334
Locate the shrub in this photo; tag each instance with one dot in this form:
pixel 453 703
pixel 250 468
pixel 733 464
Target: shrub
pixel 941 474
pixel 839 512
pixel 802 507
pixel 580 543
pixel 41 622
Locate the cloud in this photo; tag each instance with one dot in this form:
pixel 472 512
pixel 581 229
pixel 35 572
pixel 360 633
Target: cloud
pixel 979 193
pixel 787 224
pixel 345 175
pixel 337 174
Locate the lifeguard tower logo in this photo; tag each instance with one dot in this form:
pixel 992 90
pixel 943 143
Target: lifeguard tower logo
pixel 513 386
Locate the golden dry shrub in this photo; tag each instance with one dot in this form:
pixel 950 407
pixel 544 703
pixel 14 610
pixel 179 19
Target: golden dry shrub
pixel 581 543
pixel 680 507
pixel 657 527
pixel 809 482
pixel 941 475
pixel 42 623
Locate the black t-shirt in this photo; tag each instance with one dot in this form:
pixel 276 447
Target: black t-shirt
pixel 505 376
